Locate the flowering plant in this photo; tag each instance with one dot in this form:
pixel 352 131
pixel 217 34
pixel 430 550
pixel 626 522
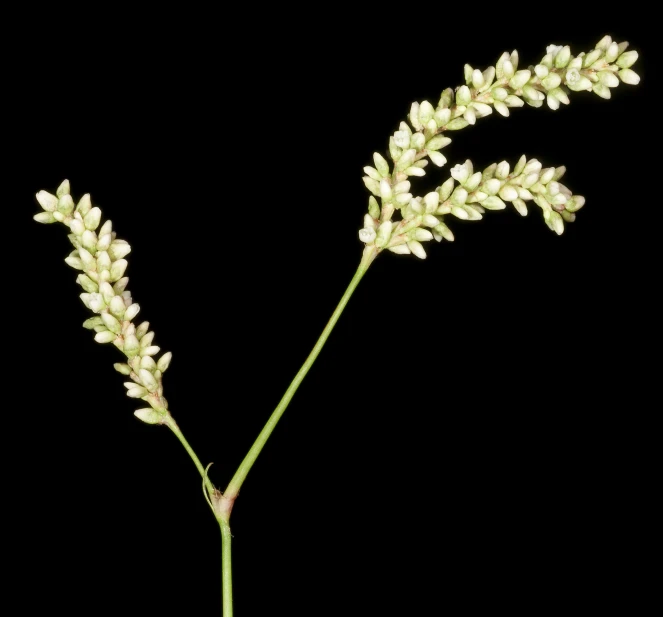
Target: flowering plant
pixel 397 221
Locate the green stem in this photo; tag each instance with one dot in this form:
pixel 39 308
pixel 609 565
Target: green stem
pixel 226 570
pixel 172 425
pixel 240 475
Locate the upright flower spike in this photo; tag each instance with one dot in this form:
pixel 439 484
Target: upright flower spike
pixel 100 256
pixel 404 221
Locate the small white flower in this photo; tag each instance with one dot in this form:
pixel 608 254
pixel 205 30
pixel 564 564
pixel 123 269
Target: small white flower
pixel 460 172
pixel 573 76
pixel 367 235
pixel 553 49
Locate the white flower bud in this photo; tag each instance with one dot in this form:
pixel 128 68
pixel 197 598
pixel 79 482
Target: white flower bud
pixel 499 94
pixel 87 283
pixel 560 95
pixel 104 337
pixel 602 90
pixel 445 190
pixel 575 203
pixel 513 101
pixel 488 78
pixel 541 71
pixel 369 222
pixel 95 302
pixel 520 206
pixel 400 249
pixel 499 73
pixel 552 81
pixel 125 369
pixel 430 221
pixel 608 79
pixel 604 43
pixel 385 190
pixel 473 181
pixel 77 227
pixel 438 142
pixel 118 248
pixel 555 222
pixel 417 249
pixel 502 170
pixel 470 116
pixel 63 189
pixel 65 204
pixel 414 116
pixel 418 141
pixel 415 171
pixel 152 350
pixel 530 180
pixel 627 59
pixel 92 219
pixel 445 232
pixel 562 57
pixel 149 415
pixel 137 392
pixel 431 200
pixel 372 185
pixel 501 108
pixel 482 110
pixel 421 235
pixel 437 158
pixel 164 361
pixel 508 193
pixel 373 208
pixel 148 380
pixel 117 306
pixel 402 139
pixel 442 116
pixel 553 103
pixel 533 166
pixel 459 196
pixel 45 217
pixel 426 111
pixel 611 53
pixel 477 78
pixel 463 96
pixel 47 201
pixel 493 203
pixel 629 77
pixel 372 173
pixel 383 234
pixel 458 123
pixel 520 79
pixel 403 199
pixel 117 269
pixel 460 212
pixel 381 164
pixel 131 312
pixel 492 186
pixel 406 159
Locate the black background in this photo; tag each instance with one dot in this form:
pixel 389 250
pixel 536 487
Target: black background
pixel 477 432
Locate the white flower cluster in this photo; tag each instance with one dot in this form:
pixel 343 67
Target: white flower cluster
pixel 100 257
pixel 499 87
pixel 476 192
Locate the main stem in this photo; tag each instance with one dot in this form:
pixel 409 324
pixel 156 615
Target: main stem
pixel 223 503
